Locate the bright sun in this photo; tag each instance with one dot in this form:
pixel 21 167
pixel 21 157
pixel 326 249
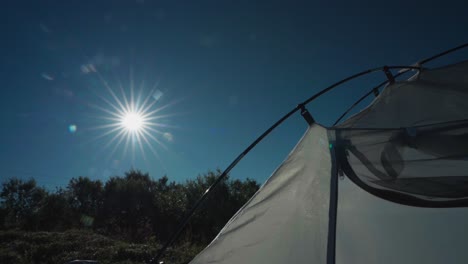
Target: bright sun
pixel 132 121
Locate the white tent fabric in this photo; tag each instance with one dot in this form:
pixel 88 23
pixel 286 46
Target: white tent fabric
pixel 287 219
pixel 372 230
pixel 430 97
pixel 401 161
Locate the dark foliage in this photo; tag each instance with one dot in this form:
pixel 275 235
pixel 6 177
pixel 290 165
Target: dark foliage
pixel 133 208
pixel 22 247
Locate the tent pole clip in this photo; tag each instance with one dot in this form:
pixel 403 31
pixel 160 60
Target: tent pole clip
pixel 306 115
pixel 376 92
pixel 388 73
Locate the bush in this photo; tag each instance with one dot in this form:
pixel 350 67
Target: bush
pixel 54 247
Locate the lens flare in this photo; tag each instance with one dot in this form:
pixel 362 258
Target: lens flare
pixel 72 128
pixel 133 121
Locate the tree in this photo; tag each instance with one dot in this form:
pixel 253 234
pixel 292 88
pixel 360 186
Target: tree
pixel 56 213
pixel 22 200
pixel 127 205
pixel 169 204
pixel 85 198
pixel 134 207
pixel 224 201
pixel 242 191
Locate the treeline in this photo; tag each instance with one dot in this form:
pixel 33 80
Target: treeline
pixel 133 207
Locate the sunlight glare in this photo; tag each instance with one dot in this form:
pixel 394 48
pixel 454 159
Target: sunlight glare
pixel 132 121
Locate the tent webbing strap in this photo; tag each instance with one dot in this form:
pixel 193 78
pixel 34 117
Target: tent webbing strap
pixel 333 209
pixel 306 115
pixel 190 213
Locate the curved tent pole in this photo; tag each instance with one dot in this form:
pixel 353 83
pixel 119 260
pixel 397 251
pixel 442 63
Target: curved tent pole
pixel 442 54
pixel 223 175
pixel 375 89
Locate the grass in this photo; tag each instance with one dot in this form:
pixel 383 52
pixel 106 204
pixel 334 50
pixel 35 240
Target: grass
pixel 61 247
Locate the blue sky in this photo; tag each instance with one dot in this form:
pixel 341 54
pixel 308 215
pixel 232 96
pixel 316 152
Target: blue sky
pixel 227 71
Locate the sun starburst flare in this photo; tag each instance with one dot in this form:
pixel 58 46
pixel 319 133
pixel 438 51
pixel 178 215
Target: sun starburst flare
pixel 133 122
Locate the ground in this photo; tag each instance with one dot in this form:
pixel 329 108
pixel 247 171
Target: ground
pixel 61 247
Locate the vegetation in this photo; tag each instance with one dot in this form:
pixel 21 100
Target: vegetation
pixel 122 220
pixel 60 247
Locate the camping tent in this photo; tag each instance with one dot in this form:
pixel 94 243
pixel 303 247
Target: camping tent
pixel 388 185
